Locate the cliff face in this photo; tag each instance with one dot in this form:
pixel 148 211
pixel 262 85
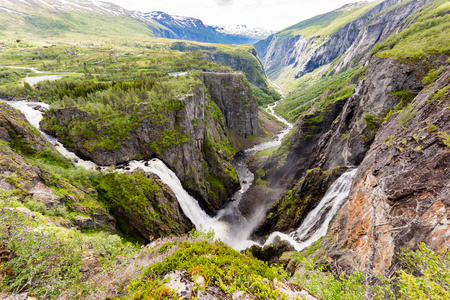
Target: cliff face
pixel 400 196
pixel 233 95
pixel 354 40
pixel 192 140
pixel 342 133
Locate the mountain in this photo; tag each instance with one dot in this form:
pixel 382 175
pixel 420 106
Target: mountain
pixel 367 88
pixel 192 29
pixel 76 18
pixel 258 33
pixel 57 18
pixel 367 92
pixel 351 31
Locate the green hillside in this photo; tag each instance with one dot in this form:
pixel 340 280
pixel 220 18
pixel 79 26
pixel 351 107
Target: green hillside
pixel 51 25
pixel 328 23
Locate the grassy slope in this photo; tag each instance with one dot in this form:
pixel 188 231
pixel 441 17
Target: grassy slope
pixel 74 25
pixel 328 23
pixel 428 34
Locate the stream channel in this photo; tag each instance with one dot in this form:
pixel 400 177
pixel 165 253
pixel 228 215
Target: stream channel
pixel 229 225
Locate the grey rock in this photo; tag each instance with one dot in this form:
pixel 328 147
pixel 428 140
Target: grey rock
pixel 84 222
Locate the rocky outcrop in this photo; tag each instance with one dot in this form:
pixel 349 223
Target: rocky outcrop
pixel 233 95
pixel 271 253
pixel 37 187
pixel 153 211
pixel 353 40
pixel 401 192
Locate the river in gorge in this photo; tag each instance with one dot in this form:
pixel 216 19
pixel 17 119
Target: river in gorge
pixel 229 225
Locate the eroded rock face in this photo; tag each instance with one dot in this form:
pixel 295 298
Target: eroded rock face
pixel 401 193
pixel 233 96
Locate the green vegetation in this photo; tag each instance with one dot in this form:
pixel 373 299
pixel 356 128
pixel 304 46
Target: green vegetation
pixel 265 96
pixel 217 264
pixel 406 116
pixel 43 22
pixel 423 275
pixel 328 23
pixel 267 152
pixel 427 35
pixel 432 75
pixel 316 92
pixel 48 260
pixel 445 137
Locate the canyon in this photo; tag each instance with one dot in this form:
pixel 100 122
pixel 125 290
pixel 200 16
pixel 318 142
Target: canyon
pixel 182 147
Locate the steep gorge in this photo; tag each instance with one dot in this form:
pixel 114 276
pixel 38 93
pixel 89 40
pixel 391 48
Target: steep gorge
pixel 394 127
pixel 192 138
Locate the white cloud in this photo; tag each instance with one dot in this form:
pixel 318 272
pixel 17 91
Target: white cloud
pixel 273 14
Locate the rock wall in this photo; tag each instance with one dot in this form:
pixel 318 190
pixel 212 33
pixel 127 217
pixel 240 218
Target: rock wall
pixel 354 41
pixel 401 193
pixel 233 95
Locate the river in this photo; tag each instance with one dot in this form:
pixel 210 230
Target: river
pixel 229 225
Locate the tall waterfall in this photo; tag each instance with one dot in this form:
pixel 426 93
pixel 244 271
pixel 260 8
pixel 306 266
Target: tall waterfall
pixel 316 222
pixel 229 225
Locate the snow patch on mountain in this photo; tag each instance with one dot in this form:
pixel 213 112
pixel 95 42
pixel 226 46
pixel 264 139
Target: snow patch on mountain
pixel 244 30
pixel 171 20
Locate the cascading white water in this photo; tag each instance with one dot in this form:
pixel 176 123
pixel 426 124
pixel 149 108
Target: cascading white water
pixel 316 222
pixel 34 116
pixel 229 225
pixel 188 204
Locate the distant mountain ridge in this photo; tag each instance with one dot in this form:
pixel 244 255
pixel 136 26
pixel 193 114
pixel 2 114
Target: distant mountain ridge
pixel 46 18
pixel 193 29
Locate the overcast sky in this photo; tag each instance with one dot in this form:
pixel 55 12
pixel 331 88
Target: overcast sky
pixel 271 14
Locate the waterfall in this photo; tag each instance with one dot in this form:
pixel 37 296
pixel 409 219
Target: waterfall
pixel 188 204
pixel 316 222
pixel 229 225
pixel 32 112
